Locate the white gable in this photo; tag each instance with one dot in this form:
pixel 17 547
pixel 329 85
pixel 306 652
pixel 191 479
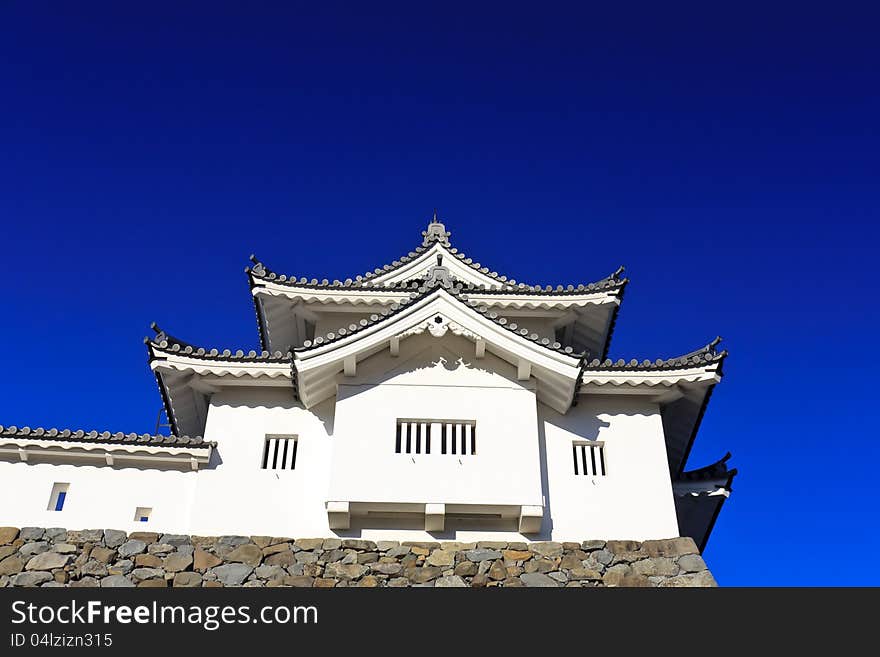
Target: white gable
pixel 419 268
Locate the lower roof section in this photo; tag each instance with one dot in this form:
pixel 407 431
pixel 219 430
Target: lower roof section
pixel 35 446
pixel 682 387
pixel 699 496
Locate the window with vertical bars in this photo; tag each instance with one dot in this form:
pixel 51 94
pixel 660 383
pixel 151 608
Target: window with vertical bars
pixel 438 436
pixel 279 452
pixel 589 458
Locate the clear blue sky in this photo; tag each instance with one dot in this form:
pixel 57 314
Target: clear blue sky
pixel 727 157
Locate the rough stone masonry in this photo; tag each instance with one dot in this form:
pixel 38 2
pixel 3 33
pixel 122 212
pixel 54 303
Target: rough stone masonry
pixel 34 556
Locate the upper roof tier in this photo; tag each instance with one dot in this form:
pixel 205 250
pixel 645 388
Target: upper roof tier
pixel 417 264
pixel 292 310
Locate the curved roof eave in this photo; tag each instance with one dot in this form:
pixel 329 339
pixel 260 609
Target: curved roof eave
pixel 164 344
pixel 706 355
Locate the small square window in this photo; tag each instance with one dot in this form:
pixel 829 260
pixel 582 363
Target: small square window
pixel 142 514
pixel 58 497
pixel 589 458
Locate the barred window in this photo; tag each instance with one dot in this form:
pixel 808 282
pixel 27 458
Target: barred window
pixel 589 458
pixel 279 452
pixel 443 436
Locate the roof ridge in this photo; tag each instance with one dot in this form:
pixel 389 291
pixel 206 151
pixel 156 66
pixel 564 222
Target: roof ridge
pixel 79 435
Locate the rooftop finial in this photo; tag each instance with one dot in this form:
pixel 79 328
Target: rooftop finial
pixel 436 231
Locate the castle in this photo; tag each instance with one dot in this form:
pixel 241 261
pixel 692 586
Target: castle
pixel 429 398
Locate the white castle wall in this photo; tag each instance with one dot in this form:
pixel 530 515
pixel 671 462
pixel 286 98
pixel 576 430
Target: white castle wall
pixel 346 452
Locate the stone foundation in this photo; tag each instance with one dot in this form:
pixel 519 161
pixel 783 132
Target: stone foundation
pixel 34 556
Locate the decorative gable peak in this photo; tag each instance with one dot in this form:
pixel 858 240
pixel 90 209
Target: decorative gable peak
pixel 439 274
pixel 436 232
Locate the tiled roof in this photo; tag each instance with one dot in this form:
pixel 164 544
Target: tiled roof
pixel 163 340
pixel 436 233
pixel 424 289
pixel 704 356
pixel 104 437
pixel 611 282
pixel 717 470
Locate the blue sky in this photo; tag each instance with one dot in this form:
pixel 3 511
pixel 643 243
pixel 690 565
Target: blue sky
pixel 727 157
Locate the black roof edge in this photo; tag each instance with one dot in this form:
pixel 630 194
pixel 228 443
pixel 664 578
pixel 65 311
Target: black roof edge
pixel 166 402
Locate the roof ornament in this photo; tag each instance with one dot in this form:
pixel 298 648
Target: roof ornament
pixel 438 274
pixel 259 269
pixel 436 232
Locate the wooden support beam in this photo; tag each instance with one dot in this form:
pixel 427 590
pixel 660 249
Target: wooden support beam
pixel 395 346
pixel 480 348
pixel 523 370
pixel 350 365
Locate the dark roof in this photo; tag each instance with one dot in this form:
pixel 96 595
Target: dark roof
pixel 686 507
pixel 436 233
pixel 702 356
pixel 165 341
pixel 105 437
pixel 717 470
pixel 614 314
pixel 455 290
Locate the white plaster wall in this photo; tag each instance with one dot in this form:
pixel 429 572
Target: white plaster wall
pixel 523 457
pixel 237 496
pixel 634 500
pixel 504 471
pixel 99 497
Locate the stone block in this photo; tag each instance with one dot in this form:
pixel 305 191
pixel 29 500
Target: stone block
pixel 187 580
pixel 691 563
pixel 131 548
pixel 48 561
pixel 203 560
pixel 548 549
pixel 670 547
pixel 116 581
pixel 247 553
pixel 450 581
pixel 114 538
pixel 8 534
pixel 538 580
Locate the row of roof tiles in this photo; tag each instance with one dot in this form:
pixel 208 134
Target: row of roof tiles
pixel 104 437
pixel 163 340
pixel 260 271
pixel 704 356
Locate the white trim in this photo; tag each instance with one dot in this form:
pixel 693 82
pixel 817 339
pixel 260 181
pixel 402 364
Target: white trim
pixel 104 454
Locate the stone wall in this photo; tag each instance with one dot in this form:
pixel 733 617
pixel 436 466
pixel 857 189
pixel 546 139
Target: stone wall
pixel 34 556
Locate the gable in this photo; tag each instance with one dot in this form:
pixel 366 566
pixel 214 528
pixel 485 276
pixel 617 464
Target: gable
pixel 424 360
pixel 461 270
